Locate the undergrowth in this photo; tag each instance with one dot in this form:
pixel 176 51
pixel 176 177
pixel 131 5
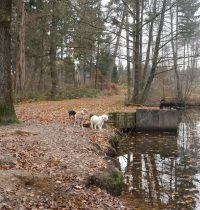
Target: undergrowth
pixel 62 95
pixel 79 93
pixel 111 181
pixel 67 93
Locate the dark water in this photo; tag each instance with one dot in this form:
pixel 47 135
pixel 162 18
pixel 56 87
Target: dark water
pixel 162 171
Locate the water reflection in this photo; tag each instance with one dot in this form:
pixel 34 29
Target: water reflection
pixel 163 170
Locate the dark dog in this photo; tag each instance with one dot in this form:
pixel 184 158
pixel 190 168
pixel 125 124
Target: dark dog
pixel 171 104
pixel 72 114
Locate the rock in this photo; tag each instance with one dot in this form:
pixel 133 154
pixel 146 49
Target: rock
pixel 7 160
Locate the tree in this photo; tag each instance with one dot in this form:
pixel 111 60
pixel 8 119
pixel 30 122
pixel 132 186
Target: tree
pixel 115 75
pixel 20 48
pixel 137 60
pixel 87 38
pixel 53 47
pixel 116 47
pixel 7 112
pixel 174 44
pixel 128 50
pixel 187 26
pixel 155 54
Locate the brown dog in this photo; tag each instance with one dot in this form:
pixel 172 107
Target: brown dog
pixel 79 117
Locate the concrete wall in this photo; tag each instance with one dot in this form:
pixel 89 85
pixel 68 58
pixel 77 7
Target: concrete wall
pixel 123 120
pixel 157 120
pixel 146 120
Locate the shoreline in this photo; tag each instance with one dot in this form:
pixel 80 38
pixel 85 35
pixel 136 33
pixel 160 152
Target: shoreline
pixel 49 163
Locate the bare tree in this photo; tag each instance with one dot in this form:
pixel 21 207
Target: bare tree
pixel 174 44
pixel 137 60
pixel 116 47
pixel 128 51
pixel 150 35
pixel 155 55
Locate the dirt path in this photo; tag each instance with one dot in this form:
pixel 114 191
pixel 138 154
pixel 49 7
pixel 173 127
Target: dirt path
pixel 45 160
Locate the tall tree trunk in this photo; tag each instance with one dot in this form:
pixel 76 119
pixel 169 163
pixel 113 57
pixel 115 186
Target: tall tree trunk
pixel 150 35
pixel 30 84
pixel 84 71
pixel 141 43
pixel 128 51
pixel 41 78
pixel 20 57
pixel 112 64
pixel 40 85
pixel 137 53
pixel 184 55
pixel 76 75
pixel 175 52
pixel 7 112
pixel 97 63
pixel 155 56
pixel 53 46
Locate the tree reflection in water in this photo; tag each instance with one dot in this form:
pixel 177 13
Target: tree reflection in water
pixel 162 170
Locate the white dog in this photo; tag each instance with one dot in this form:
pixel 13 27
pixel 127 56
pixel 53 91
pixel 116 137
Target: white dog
pixel 98 121
pixel 79 117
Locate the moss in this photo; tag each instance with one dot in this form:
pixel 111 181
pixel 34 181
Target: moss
pixel 5 19
pixel 7 115
pixel 111 180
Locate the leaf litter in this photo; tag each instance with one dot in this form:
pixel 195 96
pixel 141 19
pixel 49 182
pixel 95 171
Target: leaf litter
pixel 45 160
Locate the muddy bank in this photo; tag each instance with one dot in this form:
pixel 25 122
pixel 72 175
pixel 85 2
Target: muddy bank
pixel 45 165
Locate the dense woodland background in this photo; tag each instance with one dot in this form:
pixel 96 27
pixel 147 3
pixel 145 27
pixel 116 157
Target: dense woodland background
pixel 62 49
pixel 149 46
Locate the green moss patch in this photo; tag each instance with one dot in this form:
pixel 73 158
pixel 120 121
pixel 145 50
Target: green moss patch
pixel 111 181
pixel 7 115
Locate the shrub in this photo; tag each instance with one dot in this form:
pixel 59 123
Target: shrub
pixel 111 180
pixel 29 96
pixel 114 141
pixel 111 89
pixel 79 93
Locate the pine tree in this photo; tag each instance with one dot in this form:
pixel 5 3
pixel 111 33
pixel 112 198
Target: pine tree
pixel 188 18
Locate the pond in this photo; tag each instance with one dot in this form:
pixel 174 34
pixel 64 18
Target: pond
pixel 162 170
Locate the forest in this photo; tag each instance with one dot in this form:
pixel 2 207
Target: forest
pixel 151 47
pixel 93 55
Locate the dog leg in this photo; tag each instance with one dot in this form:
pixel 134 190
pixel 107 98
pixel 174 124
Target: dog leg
pixel 91 125
pixel 75 121
pixel 100 125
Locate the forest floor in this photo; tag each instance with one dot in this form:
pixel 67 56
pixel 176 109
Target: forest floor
pixel 45 160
